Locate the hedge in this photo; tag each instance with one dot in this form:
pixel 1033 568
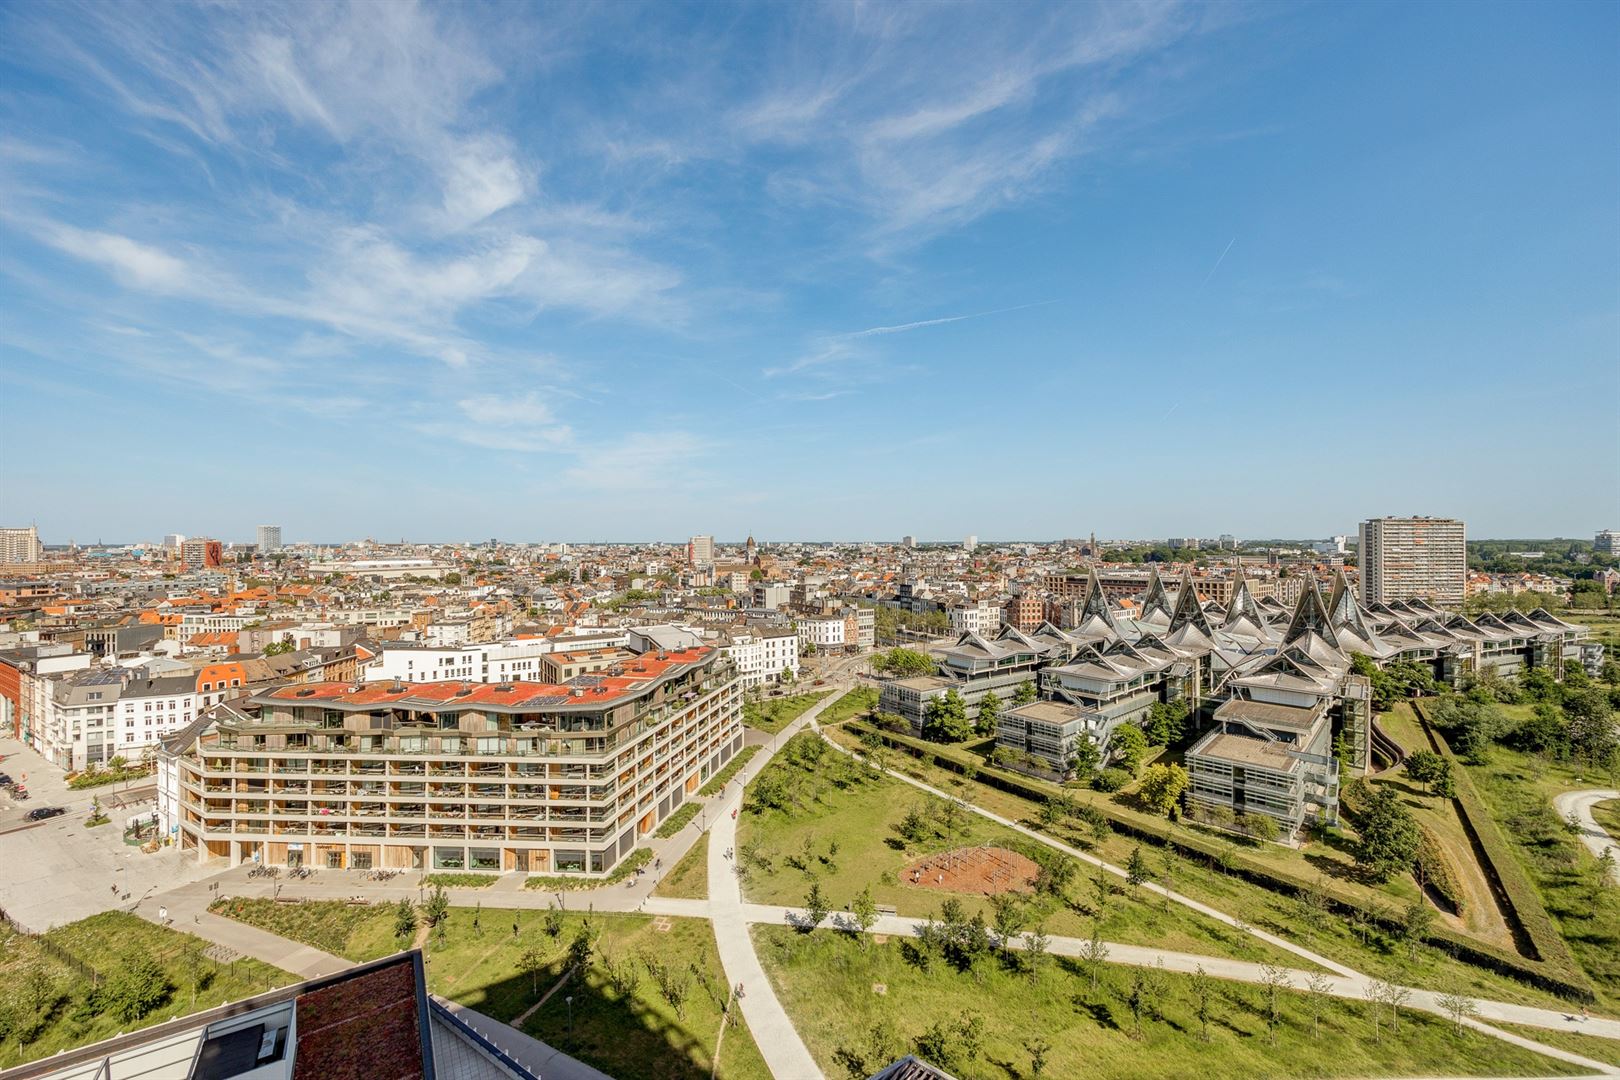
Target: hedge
pixel 1564 980
pixel 1434 871
pixel 1518 897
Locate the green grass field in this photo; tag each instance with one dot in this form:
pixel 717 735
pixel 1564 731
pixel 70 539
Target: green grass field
pixel 1333 937
pixel 856 702
pixel 480 966
pixel 68 1018
pixel 840 801
pixel 1607 815
pixel 836 991
pixel 717 783
pixel 1604 627
pixel 774 714
pixel 689 880
pixel 1591 1046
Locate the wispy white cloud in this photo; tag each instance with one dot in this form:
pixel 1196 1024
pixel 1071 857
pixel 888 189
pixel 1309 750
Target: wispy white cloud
pixel 842 348
pixel 140 265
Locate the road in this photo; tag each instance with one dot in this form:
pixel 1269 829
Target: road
pixel 1580 803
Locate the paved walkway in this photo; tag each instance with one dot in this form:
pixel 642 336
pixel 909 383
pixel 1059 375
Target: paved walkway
pixel 187 910
pixel 1597 840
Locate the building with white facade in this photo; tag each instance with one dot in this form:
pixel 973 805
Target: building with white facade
pixel 1413 558
pixel 490 662
pixel 762 656
pixel 20 545
pixel 824 631
pixel 269 539
pixel 970 544
pixel 980 617
pixel 700 551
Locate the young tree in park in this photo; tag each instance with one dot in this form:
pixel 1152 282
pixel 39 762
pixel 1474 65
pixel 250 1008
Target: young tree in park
pixel 582 947
pixel 1389 836
pixel 1037 943
pixel 1416 922
pixel 1424 766
pixel 404 920
pixel 989 713
pixel 1137 869
pixel 553 920
pixel 437 908
pixel 1317 987
pixel 815 906
pixel 532 962
pixel 1162 786
pixel 1094 954
pixel 1137 1000
pixel 1009 918
pixel 1459 1006
pixel 1102 886
pixel 1096 821
pixel 1037 1049
pixel 1275 979
pixel 1203 991
pixel 195 962
pixel 1025 693
pixel 137 987
pixel 945 719
pixel 865 911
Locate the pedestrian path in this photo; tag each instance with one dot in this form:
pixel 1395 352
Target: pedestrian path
pixel 778 1040
pixel 1593 835
pixel 186 909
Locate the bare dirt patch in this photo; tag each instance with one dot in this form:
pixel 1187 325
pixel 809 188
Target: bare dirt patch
pixel 982 871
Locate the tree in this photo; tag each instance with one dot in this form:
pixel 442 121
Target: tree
pixel 1025 693
pixel 452 578
pixel 1096 821
pixel 1317 987
pixel 553 920
pixel 437 908
pixel 903 663
pixel 1459 1006
pixel 1137 1000
pixel 1094 954
pixel 404 920
pixel 1037 1049
pixel 815 906
pixel 865 912
pixel 1102 886
pixel 945 719
pixel 137 988
pixel 1389 836
pixel 1036 945
pixel 1167 721
pixel 1009 918
pixel 1275 980
pixel 989 713
pixel 1424 766
pixel 1085 759
pixel 1592 732
pixel 581 948
pixel 1162 786
pixel 1203 989
pixel 532 962
pixel 1128 747
pixel 1136 870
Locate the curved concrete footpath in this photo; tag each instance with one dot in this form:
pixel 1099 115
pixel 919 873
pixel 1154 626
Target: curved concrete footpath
pixel 1597 840
pixel 778 1040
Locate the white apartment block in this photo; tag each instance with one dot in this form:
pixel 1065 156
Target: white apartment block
pixel 269 539
pixel 762 657
pixel 982 617
pixel 92 716
pixel 824 632
pixel 1413 558
pixel 491 662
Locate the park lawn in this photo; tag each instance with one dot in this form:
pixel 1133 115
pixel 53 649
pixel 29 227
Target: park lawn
pixel 1604 628
pixel 864 815
pixel 773 714
pixel 1333 937
pixel 1592 1046
pixel 689 880
pixel 827 983
pixel 1481 917
pixel 101 942
pixel 1519 789
pixel 1607 815
pixel 358 932
pixel 856 702
pixel 644 1036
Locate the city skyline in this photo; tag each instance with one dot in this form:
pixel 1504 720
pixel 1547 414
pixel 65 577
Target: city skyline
pixel 651 271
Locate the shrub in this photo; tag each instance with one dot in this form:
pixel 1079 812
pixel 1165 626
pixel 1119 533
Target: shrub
pixel 1433 871
pixel 1110 779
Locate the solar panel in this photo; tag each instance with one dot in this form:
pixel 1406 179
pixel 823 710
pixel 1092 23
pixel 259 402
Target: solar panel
pixel 585 680
pixel 549 699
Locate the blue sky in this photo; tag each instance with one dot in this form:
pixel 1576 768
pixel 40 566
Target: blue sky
pixel 830 271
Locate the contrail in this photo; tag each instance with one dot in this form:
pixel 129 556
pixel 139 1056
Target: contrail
pixel 1218 262
pixel 903 327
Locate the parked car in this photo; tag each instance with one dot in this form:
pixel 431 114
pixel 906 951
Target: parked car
pixel 43 812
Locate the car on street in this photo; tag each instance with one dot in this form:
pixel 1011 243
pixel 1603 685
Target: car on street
pixel 44 812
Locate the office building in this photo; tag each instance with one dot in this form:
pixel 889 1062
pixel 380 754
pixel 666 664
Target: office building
pixel 1607 541
pixel 172 541
pixel 700 551
pixel 909 542
pixel 269 539
pixel 536 777
pixel 1413 558
pixel 20 546
pixel 970 544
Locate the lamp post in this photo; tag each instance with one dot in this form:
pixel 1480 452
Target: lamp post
pixel 570 1000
